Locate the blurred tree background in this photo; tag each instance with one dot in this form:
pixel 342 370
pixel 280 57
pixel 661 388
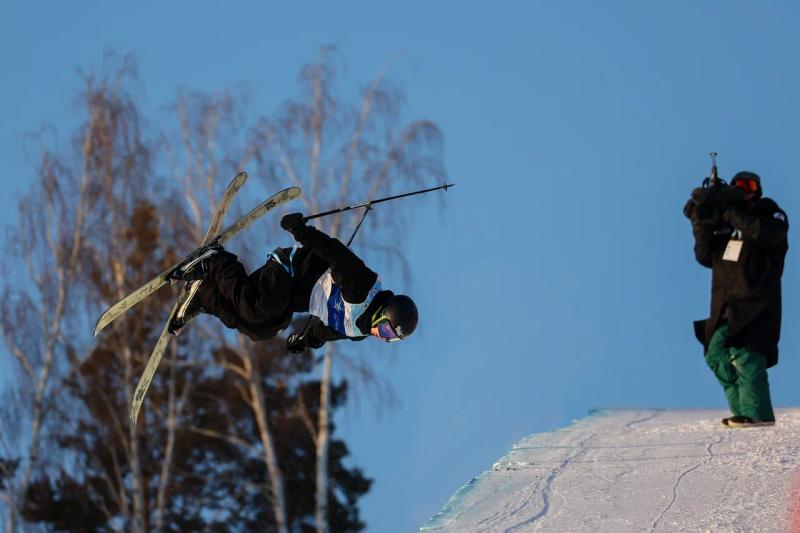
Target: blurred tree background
pixel 234 435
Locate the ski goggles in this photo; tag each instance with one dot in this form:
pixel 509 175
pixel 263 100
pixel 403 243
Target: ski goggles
pixel 746 184
pixel 385 329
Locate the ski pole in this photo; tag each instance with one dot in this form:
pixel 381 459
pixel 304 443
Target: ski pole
pixel 373 202
pixel 358 227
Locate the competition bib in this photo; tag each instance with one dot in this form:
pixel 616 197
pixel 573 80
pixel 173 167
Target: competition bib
pixel 329 305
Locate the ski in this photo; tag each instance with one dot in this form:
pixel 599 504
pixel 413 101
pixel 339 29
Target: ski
pixel 216 220
pixel 190 288
pixel 113 312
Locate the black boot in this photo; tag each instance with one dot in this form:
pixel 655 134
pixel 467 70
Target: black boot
pixel 198 268
pixel 179 321
pixel 747 422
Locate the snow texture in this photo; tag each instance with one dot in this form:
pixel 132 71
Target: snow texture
pixel 649 470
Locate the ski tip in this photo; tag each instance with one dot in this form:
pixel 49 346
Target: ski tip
pixel 98 327
pixel 288 194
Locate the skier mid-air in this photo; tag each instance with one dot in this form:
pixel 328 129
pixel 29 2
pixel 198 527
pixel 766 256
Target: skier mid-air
pixel 322 277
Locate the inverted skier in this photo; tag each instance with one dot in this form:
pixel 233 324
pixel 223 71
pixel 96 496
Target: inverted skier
pixel 322 277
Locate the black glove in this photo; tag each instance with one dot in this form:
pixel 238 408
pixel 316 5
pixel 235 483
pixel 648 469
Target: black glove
pixel 294 224
pixel 702 208
pixel 295 343
pixel 690 209
pixel 700 195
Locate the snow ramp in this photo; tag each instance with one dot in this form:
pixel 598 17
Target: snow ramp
pixel 646 470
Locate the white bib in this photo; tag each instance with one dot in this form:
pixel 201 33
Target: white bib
pixel 329 305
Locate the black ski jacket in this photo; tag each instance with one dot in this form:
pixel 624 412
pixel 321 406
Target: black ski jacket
pixel 261 304
pixel 747 292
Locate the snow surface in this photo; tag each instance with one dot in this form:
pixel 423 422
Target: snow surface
pixel 649 470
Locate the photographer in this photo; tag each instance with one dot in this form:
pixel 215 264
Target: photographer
pixel 742 238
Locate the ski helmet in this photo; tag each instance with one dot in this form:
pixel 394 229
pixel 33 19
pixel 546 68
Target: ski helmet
pixel 402 314
pixel 749 181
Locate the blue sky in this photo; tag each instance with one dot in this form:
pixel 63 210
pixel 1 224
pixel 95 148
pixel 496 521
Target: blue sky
pixel 563 278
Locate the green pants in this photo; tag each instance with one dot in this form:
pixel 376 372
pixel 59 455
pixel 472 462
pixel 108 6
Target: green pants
pixel 743 375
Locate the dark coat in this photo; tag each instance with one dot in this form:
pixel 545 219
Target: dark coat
pixel 261 304
pixel 745 293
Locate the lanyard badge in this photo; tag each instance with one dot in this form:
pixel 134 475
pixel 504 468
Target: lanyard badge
pixel 734 248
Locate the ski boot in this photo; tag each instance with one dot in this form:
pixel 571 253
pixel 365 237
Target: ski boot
pixel 187 312
pixel 197 269
pixel 192 274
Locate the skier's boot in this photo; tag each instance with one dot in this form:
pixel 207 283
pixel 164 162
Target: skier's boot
pixel 186 313
pixel 197 269
pixel 193 274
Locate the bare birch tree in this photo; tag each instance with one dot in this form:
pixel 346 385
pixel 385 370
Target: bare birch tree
pixel 97 223
pixel 207 123
pixel 77 241
pixel 54 224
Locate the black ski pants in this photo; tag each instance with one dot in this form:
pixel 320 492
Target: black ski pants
pixel 258 305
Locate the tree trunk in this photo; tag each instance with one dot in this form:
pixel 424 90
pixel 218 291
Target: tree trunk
pixel 175 409
pixel 137 486
pixel 36 428
pixel 323 443
pixel 12 512
pixel 64 270
pixel 270 457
